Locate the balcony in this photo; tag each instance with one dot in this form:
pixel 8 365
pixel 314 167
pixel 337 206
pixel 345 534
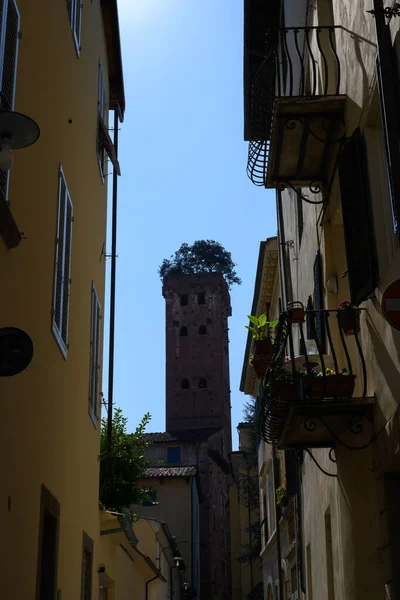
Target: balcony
pixel 316 399
pixel 296 122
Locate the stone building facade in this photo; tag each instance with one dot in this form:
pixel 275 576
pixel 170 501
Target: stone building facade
pixel 332 117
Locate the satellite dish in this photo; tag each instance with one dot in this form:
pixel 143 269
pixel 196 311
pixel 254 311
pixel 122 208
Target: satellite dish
pixel 16 351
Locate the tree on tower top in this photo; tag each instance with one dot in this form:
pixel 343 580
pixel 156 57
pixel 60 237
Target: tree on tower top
pixel 203 256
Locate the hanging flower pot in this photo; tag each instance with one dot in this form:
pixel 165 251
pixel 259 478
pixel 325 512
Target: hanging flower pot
pixel 296 312
pixel 348 318
pixel 262 356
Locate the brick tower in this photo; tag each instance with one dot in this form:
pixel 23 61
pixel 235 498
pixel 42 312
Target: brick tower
pixel 197 355
pixel 198 408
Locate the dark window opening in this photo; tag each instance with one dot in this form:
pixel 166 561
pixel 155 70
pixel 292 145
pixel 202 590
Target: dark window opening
pixel 202 330
pixel 174 454
pixel 202 382
pixel 184 330
pixel 151 497
pixel 185 384
pixel 184 299
pixel 48 546
pixel 201 298
pixel 87 567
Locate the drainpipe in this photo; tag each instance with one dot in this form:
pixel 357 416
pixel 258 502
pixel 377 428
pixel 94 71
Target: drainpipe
pixel 281 250
pixel 118 118
pixel 147 586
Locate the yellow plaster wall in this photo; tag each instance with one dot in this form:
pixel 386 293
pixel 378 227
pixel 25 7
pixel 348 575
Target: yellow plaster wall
pixel 47 434
pixel 174 507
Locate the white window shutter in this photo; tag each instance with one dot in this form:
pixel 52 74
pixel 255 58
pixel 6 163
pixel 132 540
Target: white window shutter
pixel 67 269
pixel 62 267
pixel 8 52
pixel 94 366
pixel 9 28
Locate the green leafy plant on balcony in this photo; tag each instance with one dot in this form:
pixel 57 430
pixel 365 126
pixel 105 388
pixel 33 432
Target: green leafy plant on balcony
pixel 282 497
pixel 261 329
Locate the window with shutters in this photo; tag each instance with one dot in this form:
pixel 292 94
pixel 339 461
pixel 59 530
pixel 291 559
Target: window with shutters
pixel 62 271
pixel 357 219
pixel 101 128
pixel 75 20
pixel 9 28
pixel 94 367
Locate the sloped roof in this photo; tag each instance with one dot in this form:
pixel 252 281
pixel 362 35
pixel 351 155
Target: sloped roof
pixel 183 435
pixel 161 436
pixel 184 471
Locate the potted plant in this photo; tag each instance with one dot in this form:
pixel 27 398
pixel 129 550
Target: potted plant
pixel 296 312
pixel 261 328
pixel 282 497
pixel 338 385
pixel 348 318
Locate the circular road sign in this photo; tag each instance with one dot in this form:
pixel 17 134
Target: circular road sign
pixel 391 304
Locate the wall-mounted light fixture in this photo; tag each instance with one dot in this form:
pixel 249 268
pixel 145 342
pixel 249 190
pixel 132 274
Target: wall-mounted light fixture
pixel 16 131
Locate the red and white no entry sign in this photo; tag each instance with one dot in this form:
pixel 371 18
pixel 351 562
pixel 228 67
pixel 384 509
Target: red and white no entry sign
pixel 391 304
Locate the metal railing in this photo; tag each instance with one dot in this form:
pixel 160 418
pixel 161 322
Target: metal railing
pixel 299 62
pixel 307 62
pixel 307 378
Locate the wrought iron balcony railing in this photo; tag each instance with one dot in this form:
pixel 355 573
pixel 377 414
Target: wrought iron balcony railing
pixel 300 62
pixel 313 385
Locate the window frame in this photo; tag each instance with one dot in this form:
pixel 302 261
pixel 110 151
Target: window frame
pixel 94 359
pixel 8 106
pixel 75 12
pixel 87 549
pixel 49 504
pixel 101 121
pixel 176 449
pixel 268 507
pixel 61 247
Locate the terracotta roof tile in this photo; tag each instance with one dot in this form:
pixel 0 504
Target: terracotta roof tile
pixel 184 471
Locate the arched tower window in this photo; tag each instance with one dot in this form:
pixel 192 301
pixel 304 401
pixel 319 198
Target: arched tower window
pixel 201 298
pixel 184 299
pixel 202 330
pixel 202 382
pixel 184 330
pixel 185 384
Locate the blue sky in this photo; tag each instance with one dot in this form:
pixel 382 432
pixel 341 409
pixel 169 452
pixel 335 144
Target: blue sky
pixel 183 163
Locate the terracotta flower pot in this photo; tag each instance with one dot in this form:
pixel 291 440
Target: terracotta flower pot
pixel 285 391
pixel 296 312
pixel 349 320
pixel 313 388
pixel 331 386
pixel 262 356
pixel 340 386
